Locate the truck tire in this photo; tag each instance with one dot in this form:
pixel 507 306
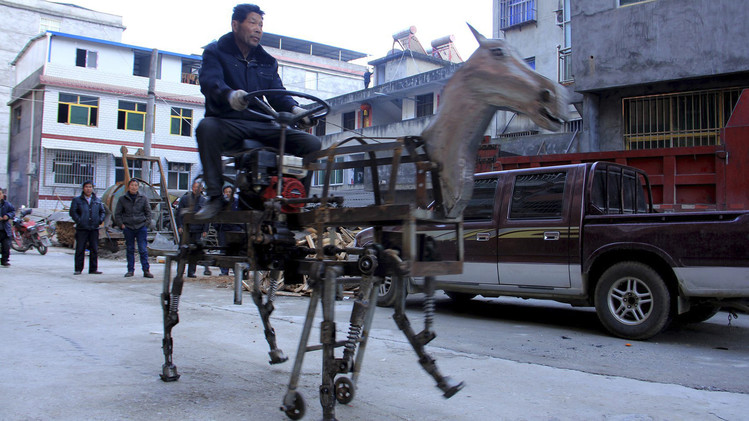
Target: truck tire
pixel 386 293
pixel 632 301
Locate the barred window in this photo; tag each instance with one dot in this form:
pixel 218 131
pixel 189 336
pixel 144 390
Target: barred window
pixel 538 196
pixel 677 120
pixel 516 12
pixel 178 176
pixel 77 109
pixel 131 116
pixel 73 167
pixel 181 122
pixel 481 205
pixel 424 105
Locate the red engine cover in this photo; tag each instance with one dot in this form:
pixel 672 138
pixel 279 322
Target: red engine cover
pixel 292 189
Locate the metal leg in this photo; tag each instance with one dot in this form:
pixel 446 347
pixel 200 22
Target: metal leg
pixel 447 385
pixel 372 299
pixel 327 339
pixel 170 306
pixel 276 355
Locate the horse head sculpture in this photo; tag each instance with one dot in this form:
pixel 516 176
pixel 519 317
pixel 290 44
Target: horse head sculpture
pixel 494 78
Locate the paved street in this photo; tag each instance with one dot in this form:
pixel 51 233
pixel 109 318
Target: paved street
pixel 88 347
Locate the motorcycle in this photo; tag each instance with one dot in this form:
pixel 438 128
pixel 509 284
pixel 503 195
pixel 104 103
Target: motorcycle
pixel 28 234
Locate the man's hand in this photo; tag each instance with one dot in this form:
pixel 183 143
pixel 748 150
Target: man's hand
pixel 304 123
pixel 237 100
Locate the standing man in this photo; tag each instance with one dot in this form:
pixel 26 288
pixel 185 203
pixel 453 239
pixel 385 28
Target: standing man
pixel 231 205
pixel 233 66
pixel 192 202
pixel 7 213
pixel 88 213
pixel 133 215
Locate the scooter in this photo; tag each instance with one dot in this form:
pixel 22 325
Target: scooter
pixel 28 234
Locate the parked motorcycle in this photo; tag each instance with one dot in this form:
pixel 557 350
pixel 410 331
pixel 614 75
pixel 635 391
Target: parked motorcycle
pixel 28 233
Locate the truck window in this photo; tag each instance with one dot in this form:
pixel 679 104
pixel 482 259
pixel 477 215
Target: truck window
pixel 617 190
pixel 481 205
pixel 538 196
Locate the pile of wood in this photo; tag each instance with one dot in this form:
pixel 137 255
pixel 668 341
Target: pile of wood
pixel 65 233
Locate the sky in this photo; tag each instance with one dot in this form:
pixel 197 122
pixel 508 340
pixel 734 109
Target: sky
pixel 185 26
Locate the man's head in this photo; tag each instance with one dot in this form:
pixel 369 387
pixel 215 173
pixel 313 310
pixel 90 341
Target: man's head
pixel 2 194
pixel 247 25
pixel 196 187
pixel 228 191
pixel 132 186
pixel 88 187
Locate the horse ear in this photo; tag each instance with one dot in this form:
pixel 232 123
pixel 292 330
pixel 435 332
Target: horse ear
pixel 480 38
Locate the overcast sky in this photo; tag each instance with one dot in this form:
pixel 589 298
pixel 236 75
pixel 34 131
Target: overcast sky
pixel 184 26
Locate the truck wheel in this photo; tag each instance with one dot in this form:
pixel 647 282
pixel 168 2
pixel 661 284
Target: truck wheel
pixel 632 301
pixel 386 293
pixel 698 314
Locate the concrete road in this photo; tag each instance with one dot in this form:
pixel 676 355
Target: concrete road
pixel 88 347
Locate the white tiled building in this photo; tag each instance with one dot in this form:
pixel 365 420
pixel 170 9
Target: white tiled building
pixel 78 100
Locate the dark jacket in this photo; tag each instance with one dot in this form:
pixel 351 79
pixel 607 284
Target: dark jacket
pixel 87 216
pixel 233 205
pixel 224 69
pixel 134 214
pixel 188 204
pixel 7 209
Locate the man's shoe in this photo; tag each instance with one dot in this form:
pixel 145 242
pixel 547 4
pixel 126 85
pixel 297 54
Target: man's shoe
pixel 211 208
pixel 191 275
pixel 147 275
pixel 5 264
pixel 96 272
pixel 129 275
pixel 78 272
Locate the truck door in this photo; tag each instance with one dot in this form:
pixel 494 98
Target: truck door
pixel 479 236
pixel 534 239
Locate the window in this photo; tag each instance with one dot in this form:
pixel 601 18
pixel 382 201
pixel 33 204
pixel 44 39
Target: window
pixel 628 2
pixel 178 176
pixel 677 120
pixel 336 178
pixel 134 166
pixel 516 12
pixel 564 52
pixel 424 105
pixel 85 58
pixel 142 64
pixel 481 205
pixel 49 24
pixel 531 62
pixel 349 121
pixel 538 196
pixel 181 121
pixel 310 80
pixel 77 109
pixel 619 190
pixel 320 128
pixel 131 116
pixel 190 69
pixel 16 122
pixel 73 167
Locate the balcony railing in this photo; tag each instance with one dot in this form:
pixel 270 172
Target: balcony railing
pixel 516 12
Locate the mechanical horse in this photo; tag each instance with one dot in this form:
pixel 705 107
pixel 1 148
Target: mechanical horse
pixel 493 78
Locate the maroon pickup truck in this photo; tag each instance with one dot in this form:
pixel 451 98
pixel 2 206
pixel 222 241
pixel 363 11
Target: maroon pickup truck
pixel 587 235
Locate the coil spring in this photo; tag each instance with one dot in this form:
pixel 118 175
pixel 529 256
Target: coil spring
pixel 273 288
pixel 354 332
pixel 173 303
pixel 428 311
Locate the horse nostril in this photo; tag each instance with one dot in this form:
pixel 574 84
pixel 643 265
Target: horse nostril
pixel 545 95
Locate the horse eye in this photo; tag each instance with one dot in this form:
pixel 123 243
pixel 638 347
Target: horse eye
pixel 545 95
pixel 498 52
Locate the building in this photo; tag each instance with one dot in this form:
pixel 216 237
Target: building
pixel 641 74
pixel 77 100
pixel 21 20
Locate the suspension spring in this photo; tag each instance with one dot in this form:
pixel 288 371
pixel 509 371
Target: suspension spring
pixel 173 303
pixel 273 288
pixel 428 311
pixel 354 332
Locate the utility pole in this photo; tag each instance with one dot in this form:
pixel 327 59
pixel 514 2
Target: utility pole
pixel 150 113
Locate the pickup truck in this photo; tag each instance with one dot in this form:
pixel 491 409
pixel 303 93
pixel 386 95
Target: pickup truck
pixel 587 235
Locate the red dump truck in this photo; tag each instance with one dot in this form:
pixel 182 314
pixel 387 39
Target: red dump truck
pixel 588 235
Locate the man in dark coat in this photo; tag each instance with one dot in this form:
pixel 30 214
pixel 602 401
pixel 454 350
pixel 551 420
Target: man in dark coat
pixel 133 215
pixel 88 213
pixel 192 202
pixel 233 66
pixel 7 213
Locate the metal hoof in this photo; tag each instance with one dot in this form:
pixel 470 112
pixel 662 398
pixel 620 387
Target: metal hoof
pixel 293 405
pixel 169 373
pixel 449 387
pixel 277 357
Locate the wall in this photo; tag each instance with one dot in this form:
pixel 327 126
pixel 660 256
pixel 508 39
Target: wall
pixel 656 41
